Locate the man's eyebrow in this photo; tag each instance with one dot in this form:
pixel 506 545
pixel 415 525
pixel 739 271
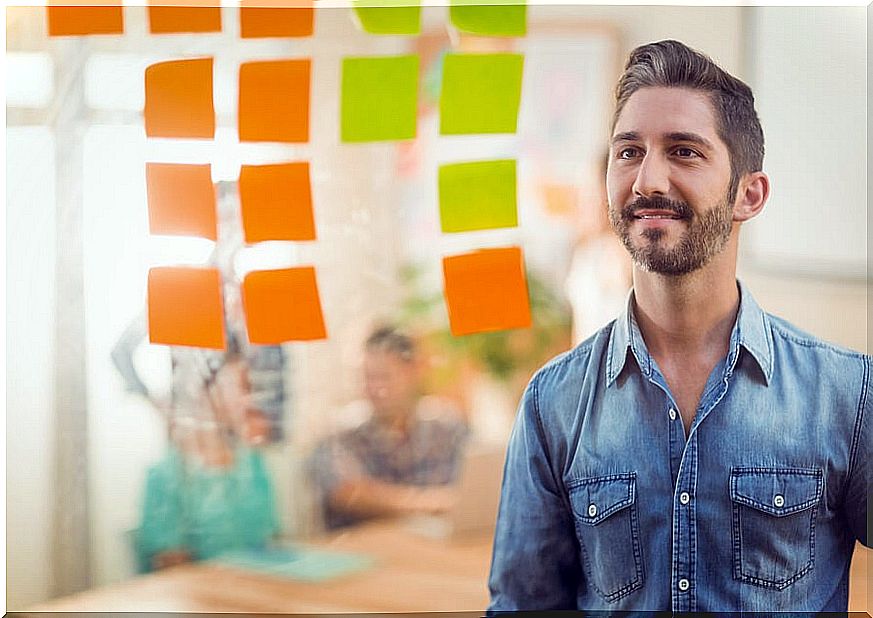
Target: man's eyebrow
pixel 627 136
pixel 694 138
pixel 675 136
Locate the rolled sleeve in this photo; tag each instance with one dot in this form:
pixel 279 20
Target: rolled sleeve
pixel 535 563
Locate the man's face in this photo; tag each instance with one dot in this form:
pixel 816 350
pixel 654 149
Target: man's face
pixel 390 382
pixel 668 181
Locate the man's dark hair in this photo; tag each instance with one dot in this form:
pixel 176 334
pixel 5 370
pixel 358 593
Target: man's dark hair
pixel 390 339
pixel 672 64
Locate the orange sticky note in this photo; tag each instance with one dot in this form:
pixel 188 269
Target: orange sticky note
pixel 94 17
pixel 164 18
pixel 274 101
pixel 178 99
pixel 275 18
pixel 276 202
pixel 185 307
pixel 181 200
pixel 486 291
pixel 282 305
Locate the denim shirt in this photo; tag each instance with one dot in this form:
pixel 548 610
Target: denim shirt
pixel 606 505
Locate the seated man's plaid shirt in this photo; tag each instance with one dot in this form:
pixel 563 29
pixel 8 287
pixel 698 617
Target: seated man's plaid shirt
pixel 428 454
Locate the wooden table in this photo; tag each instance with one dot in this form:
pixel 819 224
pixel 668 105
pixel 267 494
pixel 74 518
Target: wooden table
pixel 413 573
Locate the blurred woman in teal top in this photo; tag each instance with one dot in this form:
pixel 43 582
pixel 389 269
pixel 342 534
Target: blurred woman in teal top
pixel 212 492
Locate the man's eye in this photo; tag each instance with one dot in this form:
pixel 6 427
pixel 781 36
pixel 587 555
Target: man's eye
pixel 686 153
pixel 627 153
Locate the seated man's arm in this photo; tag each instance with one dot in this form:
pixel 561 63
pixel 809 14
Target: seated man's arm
pixel 346 489
pixel 368 497
pixel 535 563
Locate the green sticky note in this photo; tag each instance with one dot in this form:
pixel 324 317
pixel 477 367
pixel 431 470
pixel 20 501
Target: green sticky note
pixel 477 196
pixel 389 16
pixel 480 93
pixel 497 18
pixel 379 98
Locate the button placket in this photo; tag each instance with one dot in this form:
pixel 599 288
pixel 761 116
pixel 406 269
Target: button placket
pixel 683 599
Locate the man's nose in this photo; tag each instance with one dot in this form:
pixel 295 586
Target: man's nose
pixel 653 177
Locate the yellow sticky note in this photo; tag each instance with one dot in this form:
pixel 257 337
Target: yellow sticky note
pixel 494 18
pixel 479 195
pixel 379 98
pixel 389 16
pixel 481 93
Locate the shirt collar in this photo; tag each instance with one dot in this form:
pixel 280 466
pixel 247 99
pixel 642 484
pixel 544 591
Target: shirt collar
pixel 751 331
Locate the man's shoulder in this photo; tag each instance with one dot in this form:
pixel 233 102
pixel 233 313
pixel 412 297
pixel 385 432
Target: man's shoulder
pixel 576 364
pixel 789 335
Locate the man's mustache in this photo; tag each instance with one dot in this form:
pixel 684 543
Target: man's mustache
pixel 680 209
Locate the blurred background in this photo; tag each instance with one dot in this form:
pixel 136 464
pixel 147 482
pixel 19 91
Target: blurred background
pixel 83 436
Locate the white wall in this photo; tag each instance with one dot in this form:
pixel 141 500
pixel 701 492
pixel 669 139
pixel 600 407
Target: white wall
pixel 30 349
pixel 808 71
pixel 805 256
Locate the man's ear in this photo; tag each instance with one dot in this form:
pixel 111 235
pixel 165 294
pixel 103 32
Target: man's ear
pixel 752 194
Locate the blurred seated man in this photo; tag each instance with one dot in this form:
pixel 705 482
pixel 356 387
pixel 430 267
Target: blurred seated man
pixel 212 492
pixel 404 458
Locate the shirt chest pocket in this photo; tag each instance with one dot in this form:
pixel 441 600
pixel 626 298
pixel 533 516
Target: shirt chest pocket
pixel 608 530
pixel 773 527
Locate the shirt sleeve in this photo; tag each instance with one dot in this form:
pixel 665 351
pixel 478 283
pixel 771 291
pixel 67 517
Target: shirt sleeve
pixel 535 563
pixel 333 464
pixel 858 489
pixel 160 526
pixel 123 352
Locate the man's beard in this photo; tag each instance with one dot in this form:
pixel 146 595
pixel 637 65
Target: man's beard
pixel 705 237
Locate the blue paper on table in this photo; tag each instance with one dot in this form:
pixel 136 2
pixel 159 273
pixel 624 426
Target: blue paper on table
pixel 301 563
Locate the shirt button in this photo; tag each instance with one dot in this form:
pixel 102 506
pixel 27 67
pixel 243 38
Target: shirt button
pixel 592 510
pixel 778 501
pixel 684 498
pixel 672 414
pixel 683 584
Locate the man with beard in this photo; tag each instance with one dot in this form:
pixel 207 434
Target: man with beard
pixel 696 454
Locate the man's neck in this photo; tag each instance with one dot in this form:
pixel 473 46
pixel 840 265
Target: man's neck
pixel 399 420
pixel 688 316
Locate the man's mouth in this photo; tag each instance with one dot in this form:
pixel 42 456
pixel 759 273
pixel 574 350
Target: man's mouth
pixel 656 214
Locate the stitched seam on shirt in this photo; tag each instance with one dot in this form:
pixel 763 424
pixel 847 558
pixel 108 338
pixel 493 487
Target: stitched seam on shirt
pixel 542 438
pixel 739 573
pixel 813 343
pixel 859 422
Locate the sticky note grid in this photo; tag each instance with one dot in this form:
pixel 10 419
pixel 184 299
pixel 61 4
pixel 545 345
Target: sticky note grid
pixel 185 304
pixel 480 94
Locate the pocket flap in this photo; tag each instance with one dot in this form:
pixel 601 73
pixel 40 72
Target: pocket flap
pixel 777 491
pixel 596 498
